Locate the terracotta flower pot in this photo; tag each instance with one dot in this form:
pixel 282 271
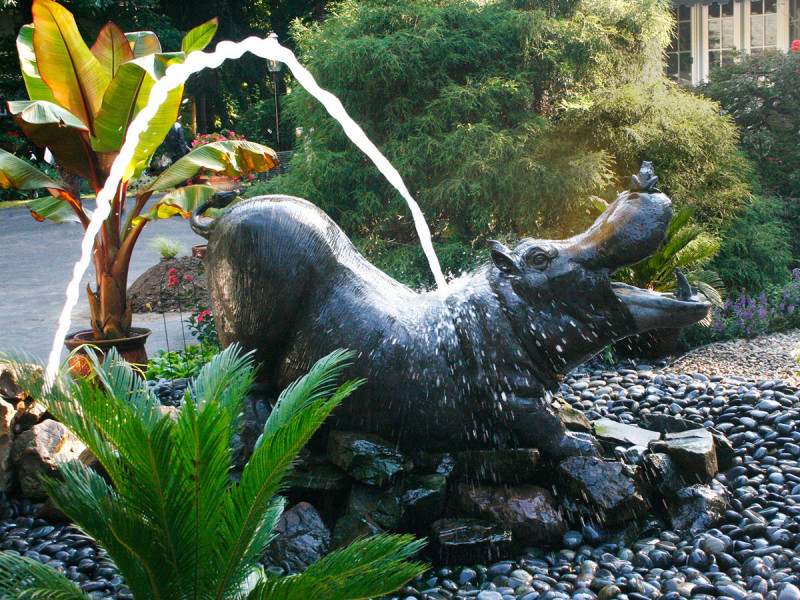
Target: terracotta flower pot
pixel 199 251
pixel 131 349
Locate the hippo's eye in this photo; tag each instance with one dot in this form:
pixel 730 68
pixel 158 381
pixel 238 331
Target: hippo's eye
pixel 539 258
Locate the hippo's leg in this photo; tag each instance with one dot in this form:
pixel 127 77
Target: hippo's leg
pixel 537 425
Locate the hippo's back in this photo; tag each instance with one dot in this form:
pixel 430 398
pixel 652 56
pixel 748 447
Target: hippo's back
pixel 273 262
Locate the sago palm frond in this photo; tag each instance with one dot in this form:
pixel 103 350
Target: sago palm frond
pixel 170 519
pixel 23 578
pixel 365 569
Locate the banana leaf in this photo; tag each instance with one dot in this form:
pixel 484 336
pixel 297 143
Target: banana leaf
pixel 65 63
pixel 181 201
pixel 16 173
pixel 112 49
pixel 37 89
pixel 199 37
pixel 234 158
pixel 49 125
pixel 143 43
pixel 53 209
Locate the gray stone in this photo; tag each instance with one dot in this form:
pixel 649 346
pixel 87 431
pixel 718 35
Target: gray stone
pixel 301 538
pixel 663 473
pixel 698 508
pixel 609 486
pixel 693 450
pixel 411 504
pixel 351 527
pixel 379 506
pixel 37 451
pixel 368 458
pixel 528 511
pixel 317 473
pixel 574 420
pixel 517 465
pixel 619 433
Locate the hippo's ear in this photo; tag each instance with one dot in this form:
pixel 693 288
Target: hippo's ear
pixel 505 259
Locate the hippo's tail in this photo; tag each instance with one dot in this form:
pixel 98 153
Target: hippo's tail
pixel 218 200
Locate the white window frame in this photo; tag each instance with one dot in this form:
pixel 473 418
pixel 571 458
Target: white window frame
pixel 741 33
pixel 696 41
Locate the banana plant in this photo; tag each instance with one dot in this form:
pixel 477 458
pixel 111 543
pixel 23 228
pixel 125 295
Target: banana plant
pixel 81 103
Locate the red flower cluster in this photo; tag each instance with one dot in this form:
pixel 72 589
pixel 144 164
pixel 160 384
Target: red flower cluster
pixel 796 45
pixel 173 278
pixel 203 316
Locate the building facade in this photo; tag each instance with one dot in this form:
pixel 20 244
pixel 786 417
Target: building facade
pixel 709 34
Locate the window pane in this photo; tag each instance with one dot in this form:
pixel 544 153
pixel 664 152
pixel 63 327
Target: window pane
pixel 713 34
pixel 672 64
pixel 757 31
pixel 713 59
pixel 727 33
pixel 713 11
pixel 756 7
pixel 685 36
pixel 771 7
pixel 727 9
pixel 686 66
pixel 684 13
pixel 771 30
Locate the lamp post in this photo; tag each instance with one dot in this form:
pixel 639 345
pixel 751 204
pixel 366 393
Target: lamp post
pixel 274 67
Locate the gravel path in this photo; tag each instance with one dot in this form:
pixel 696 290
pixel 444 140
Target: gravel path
pixel 771 356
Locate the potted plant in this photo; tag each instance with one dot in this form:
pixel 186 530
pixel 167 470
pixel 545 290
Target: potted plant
pixel 82 101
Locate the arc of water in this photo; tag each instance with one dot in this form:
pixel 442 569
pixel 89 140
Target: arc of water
pixel 177 74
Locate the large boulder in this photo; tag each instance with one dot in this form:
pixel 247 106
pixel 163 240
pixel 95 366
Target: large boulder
pixel 368 458
pixel 528 511
pixel 693 450
pixel 699 508
pixel 411 504
pixel 7 416
pixel 301 538
pixel 38 451
pixel 514 465
pixel 610 487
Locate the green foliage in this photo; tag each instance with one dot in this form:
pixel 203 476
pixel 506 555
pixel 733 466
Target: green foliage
pixel 467 100
pixel 170 518
pixel 257 123
pixel 686 247
pixel 761 93
pixel 756 247
pixel 167 247
pixel 180 363
pixel 693 149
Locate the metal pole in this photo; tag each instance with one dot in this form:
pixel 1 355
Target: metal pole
pixel 277 120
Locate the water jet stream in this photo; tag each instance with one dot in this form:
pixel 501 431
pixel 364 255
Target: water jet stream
pixel 177 74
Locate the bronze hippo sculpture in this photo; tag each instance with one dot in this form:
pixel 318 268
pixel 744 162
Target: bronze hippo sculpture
pixel 469 366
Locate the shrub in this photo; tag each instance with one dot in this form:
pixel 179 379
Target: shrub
pixel 170 518
pixel 180 363
pixel 756 248
pixel 465 99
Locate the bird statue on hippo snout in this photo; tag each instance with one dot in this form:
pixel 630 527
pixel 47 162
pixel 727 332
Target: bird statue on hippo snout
pixel 468 366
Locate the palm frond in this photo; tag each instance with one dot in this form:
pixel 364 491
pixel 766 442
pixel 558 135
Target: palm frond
pixel 299 412
pixel 23 578
pixel 365 569
pixel 226 379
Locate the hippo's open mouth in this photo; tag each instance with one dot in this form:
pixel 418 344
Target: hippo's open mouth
pixel 651 310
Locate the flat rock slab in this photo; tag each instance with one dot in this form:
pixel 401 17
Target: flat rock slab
pixel 469 540
pixel 368 458
pixel 693 450
pixel 517 465
pixel 527 510
pixel 620 433
pixel 608 486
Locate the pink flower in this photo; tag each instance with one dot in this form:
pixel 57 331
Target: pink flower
pixel 171 271
pixel 188 278
pixel 172 281
pixel 199 318
pixel 796 45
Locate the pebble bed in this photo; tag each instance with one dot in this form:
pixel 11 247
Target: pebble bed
pixel 753 555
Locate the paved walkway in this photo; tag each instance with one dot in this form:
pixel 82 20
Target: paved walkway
pixel 36 264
